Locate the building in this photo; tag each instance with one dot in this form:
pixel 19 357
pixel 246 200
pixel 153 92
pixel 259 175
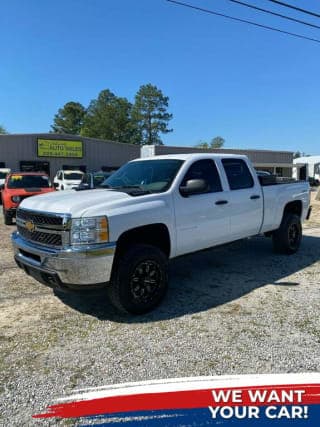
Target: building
pixel 50 152
pixel 277 162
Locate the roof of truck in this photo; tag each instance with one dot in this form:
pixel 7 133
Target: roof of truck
pixel 188 156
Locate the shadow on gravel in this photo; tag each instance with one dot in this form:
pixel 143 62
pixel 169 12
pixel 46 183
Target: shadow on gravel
pixel 210 278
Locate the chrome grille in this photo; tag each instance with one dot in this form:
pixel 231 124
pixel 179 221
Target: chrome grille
pixel 41 237
pixel 42 228
pixel 39 218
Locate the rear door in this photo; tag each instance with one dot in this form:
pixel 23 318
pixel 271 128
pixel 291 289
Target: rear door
pixel 245 198
pixel 202 220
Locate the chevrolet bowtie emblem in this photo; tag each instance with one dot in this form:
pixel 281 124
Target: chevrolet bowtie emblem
pixel 30 226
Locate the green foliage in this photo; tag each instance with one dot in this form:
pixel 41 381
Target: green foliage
pixel 150 115
pixel 202 144
pixel 69 119
pixel 298 154
pixel 216 142
pixel 3 130
pixel 109 117
pixel 116 119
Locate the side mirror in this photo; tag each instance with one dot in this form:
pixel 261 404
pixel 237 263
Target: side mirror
pixel 194 186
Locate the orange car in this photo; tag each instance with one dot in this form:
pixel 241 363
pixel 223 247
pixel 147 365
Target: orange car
pixel 18 186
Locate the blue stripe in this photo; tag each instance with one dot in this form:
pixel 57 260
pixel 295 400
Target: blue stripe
pixel 200 417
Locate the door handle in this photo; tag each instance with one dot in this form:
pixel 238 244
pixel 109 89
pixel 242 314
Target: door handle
pixel 255 196
pixel 221 202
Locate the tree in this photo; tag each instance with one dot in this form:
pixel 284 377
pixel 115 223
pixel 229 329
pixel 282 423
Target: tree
pixel 216 142
pixel 298 154
pixel 69 119
pixel 109 117
pixel 3 130
pixel 202 144
pixel 150 115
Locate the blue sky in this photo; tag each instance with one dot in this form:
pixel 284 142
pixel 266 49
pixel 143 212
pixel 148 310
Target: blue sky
pixel 256 88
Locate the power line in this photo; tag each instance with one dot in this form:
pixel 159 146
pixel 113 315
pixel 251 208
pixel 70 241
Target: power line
pixel 242 20
pixel 274 13
pixel 290 6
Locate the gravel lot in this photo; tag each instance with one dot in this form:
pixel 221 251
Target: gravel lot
pixel 233 310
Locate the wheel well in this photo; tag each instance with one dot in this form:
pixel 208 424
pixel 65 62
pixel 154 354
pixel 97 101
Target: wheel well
pixel 293 207
pixel 154 234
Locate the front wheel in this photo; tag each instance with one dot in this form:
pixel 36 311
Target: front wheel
pixel 139 280
pixel 287 239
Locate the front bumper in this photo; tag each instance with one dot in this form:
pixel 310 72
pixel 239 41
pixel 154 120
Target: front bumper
pixel 70 268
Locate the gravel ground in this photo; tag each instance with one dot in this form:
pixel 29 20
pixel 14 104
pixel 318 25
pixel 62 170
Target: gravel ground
pixel 239 309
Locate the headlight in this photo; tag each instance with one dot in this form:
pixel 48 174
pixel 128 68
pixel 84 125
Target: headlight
pixel 89 230
pixel 16 199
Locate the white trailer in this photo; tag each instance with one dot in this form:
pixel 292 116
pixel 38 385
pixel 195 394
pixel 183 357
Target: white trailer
pixel 307 167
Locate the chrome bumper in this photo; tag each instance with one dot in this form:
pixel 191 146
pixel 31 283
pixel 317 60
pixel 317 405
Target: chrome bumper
pixel 73 267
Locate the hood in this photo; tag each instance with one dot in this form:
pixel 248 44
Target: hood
pixel 77 203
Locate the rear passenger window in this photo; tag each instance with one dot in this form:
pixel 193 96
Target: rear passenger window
pixel 207 170
pixel 238 174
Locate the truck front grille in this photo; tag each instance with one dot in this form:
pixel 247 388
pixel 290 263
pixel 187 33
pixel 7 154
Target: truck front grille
pixel 39 218
pixel 45 229
pixel 41 237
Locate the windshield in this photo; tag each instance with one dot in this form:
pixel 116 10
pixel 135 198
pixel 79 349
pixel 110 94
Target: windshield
pixel 29 181
pixel 3 175
pixel 152 176
pixel 73 176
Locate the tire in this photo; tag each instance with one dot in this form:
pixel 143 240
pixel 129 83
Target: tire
pixel 7 218
pixel 139 279
pixel 287 239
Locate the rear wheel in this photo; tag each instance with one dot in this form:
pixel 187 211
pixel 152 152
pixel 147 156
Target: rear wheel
pixel 139 280
pixel 287 239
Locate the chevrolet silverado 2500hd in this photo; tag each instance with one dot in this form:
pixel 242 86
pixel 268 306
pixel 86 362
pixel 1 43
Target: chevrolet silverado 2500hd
pixel 147 212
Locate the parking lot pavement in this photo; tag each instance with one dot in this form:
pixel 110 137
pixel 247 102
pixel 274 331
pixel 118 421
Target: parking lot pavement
pixel 232 310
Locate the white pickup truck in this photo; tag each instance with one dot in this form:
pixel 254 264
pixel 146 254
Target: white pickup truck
pixel 122 235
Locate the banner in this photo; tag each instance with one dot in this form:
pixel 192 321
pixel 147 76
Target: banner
pixel 257 400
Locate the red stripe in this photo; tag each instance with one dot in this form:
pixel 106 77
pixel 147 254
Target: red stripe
pixel 189 399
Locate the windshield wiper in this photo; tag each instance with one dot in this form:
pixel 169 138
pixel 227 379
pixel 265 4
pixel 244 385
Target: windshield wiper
pixel 133 190
pixel 128 186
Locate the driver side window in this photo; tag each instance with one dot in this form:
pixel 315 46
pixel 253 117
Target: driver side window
pixel 205 169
